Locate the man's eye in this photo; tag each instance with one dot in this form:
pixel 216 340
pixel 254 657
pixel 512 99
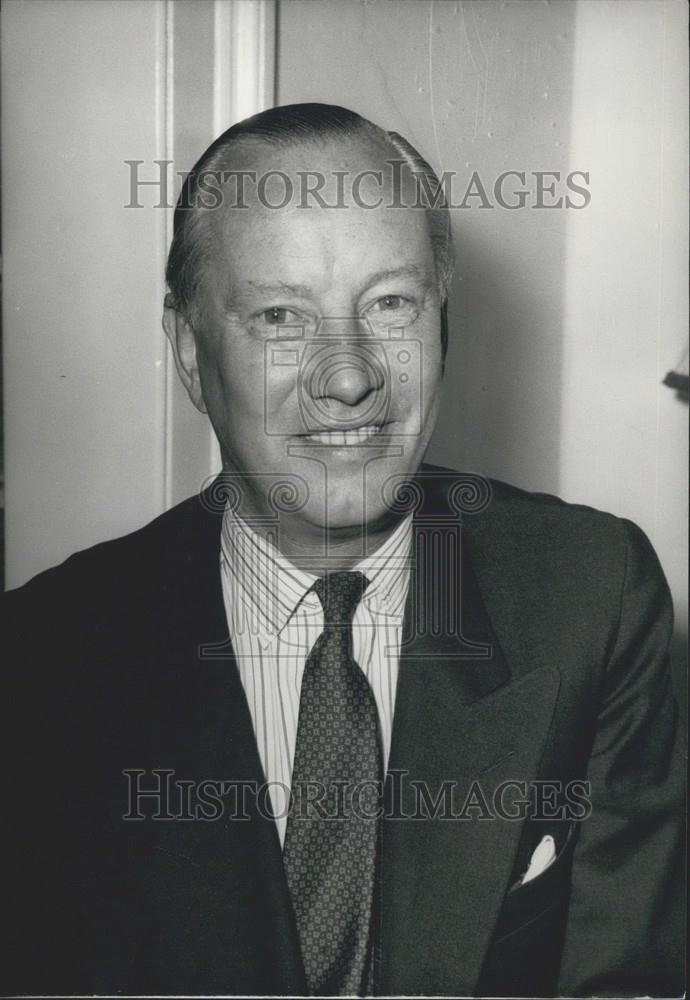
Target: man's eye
pixel 277 316
pixel 389 302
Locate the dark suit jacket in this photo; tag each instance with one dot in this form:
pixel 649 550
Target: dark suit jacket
pixel 535 651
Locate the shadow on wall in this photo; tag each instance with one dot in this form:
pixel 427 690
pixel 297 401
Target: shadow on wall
pixel 503 110
pixel 500 413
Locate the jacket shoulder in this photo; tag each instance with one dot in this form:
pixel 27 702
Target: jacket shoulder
pixel 142 559
pixel 509 513
pixel 550 548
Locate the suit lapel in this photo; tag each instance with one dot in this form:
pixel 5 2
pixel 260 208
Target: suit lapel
pixel 461 719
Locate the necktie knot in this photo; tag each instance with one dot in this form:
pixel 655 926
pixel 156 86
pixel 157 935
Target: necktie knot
pixel 340 593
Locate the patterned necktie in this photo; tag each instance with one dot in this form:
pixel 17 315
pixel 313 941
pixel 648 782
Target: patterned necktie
pixel 332 830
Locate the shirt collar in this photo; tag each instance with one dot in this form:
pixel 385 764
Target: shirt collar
pixel 388 571
pixel 270 587
pixel 264 581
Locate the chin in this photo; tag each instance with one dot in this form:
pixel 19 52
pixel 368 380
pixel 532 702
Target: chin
pixel 354 512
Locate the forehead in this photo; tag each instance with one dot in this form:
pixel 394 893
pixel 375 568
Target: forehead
pixel 356 231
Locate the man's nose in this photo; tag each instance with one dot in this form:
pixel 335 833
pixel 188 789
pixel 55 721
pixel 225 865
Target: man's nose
pixel 349 370
pixel 350 377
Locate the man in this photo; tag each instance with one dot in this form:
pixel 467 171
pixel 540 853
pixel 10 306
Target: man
pixel 201 714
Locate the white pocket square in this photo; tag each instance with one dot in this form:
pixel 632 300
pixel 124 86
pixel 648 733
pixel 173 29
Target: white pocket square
pixel 544 854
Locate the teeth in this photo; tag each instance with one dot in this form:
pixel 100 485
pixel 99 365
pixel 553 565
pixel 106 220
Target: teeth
pixel 339 438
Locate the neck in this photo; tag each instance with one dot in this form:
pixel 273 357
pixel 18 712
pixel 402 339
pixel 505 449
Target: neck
pixel 327 551
pixel 312 547
pixel 317 549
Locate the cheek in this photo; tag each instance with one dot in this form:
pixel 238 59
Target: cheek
pixel 233 376
pixel 431 378
pixel 431 366
pixel 432 373
pixel 279 380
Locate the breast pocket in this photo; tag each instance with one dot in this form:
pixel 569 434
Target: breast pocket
pixel 525 952
pixel 525 903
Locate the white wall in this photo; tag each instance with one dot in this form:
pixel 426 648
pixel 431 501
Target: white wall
pixel 625 435
pixel 84 362
pixel 100 436
pixel 564 322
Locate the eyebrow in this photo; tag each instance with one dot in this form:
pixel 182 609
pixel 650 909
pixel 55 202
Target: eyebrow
pixel 411 271
pixel 304 291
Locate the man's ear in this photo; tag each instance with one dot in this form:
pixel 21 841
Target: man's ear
pixel 181 337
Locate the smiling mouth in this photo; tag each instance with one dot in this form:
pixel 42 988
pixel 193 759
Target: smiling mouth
pixel 337 439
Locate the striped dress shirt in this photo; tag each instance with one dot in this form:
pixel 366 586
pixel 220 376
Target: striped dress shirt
pixel 274 621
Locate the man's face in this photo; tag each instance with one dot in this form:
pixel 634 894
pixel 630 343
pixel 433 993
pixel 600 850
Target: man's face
pixel 319 348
